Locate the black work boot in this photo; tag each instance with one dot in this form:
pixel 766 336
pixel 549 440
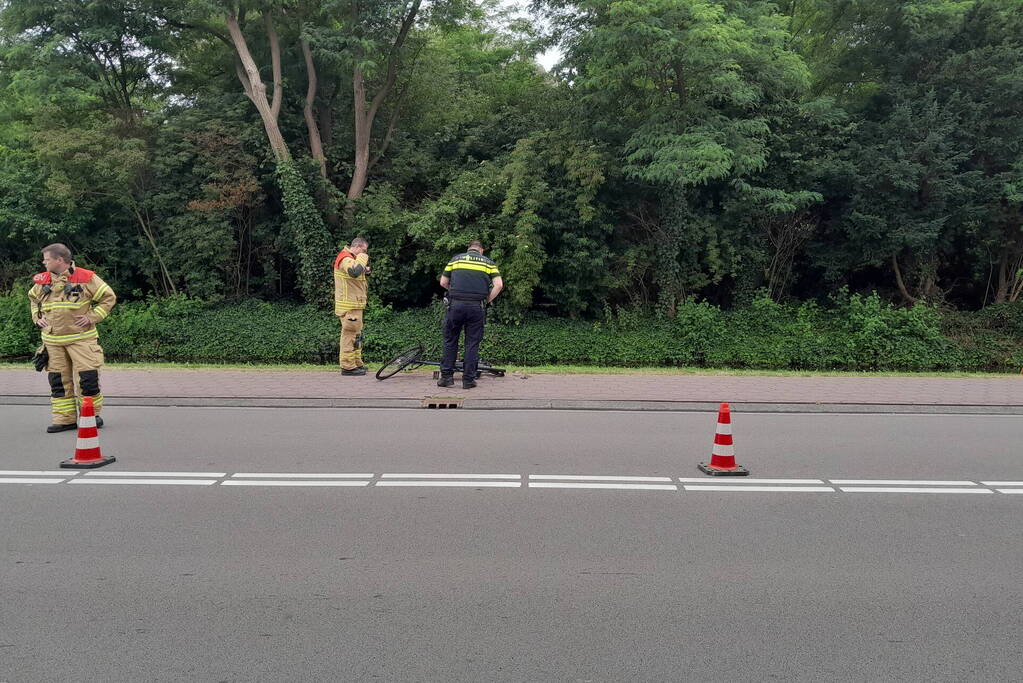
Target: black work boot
pixel 53 429
pixel 99 422
pixel 354 372
pixel 446 381
pixel 468 383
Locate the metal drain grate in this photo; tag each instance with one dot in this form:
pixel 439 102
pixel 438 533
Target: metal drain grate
pixel 442 402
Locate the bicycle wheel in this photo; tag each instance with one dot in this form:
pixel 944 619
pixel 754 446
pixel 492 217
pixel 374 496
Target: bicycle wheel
pixel 493 372
pixel 407 359
pixel 484 369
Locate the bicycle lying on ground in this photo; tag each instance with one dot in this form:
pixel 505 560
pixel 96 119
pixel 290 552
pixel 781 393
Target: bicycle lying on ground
pixel 412 359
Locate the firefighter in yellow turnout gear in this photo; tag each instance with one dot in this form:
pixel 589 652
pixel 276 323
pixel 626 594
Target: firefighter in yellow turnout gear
pixel 350 288
pixel 66 304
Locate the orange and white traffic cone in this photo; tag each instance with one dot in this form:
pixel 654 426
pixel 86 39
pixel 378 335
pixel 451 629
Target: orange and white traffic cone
pixel 722 458
pixel 87 453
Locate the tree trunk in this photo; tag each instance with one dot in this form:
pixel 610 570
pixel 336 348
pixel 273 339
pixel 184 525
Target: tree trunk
pixel 316 147
pixel 363 126
pixel 900 282
pixel 248 74
pixel 275 65
pixel 389 135
pixel 1002 290
pixel 1017 290
pixel 315 143
pixel 326 117
pixel 364 116
pixel 147 231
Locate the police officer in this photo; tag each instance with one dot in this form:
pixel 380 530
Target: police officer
pixel 350 289
pixel 67 302
pixel 472 281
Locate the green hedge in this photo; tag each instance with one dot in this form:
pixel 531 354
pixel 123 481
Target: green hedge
pixel 852 333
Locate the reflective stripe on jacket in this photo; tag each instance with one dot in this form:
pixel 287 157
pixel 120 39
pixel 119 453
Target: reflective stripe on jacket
pixel 60 298
pixel 470 276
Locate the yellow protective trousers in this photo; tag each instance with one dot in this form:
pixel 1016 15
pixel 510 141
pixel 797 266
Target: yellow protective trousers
pixel 351 339
pixel 71 365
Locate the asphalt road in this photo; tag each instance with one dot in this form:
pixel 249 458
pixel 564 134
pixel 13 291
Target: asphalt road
pixel 509 581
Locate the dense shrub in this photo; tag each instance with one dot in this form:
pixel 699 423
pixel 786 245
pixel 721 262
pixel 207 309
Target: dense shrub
pixel 852 333
pixel 16 329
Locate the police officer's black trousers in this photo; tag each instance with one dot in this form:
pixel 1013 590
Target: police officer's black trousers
pixel 461 315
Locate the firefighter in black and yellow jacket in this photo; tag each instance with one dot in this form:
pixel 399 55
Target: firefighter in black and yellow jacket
pixel 67 303
pixel 350 288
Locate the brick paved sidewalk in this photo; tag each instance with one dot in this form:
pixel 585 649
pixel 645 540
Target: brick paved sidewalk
pixel 228 384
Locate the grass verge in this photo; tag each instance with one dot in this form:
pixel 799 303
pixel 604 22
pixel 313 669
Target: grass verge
pixel 550 370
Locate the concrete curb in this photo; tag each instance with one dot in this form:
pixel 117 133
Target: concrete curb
pixel 539 404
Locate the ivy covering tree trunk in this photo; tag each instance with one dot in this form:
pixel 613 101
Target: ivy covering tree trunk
pixel 312 241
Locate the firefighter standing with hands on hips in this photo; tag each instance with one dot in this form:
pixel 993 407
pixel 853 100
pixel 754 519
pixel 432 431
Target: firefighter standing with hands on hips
pixel 66 303
pixel 350 288
pixel 472 281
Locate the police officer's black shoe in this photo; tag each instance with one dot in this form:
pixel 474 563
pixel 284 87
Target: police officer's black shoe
pixel 53 429
pixel 446 381
pixel 354 372
pixel 471 384
pixel 99 422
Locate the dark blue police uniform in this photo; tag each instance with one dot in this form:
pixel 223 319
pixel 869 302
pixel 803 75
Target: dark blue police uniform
pixel 470 275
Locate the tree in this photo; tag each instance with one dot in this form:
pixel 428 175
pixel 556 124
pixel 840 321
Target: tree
pixel 94 75
pixel 687 93
pixel 933 87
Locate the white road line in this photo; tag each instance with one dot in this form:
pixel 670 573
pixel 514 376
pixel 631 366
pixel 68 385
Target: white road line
pixel 809 489
pixel 292 482
pixel 746 480
pixel 900 482
pixel 549 481
pixel 908 489
pixel 183 482
pixel 586 485
pixel 580 477
pixel 299 475
pixel 115 473
pixel 437 482
pixel 391 475
pixel 38 473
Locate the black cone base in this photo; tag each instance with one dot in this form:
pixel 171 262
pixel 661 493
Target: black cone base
pixel 739 471
pixel 73 464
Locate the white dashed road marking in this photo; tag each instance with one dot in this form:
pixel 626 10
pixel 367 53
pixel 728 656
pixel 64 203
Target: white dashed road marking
pixel 449 476
pixel 909 489
pixel 293 482
pixel 779 489
pixel 460 483
pixel 900 482
pixel 292 475
pixel 530 481
pixel 747 480
pixel 114 473
pixel 600 485
pixel 581 477
pixel 164 482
